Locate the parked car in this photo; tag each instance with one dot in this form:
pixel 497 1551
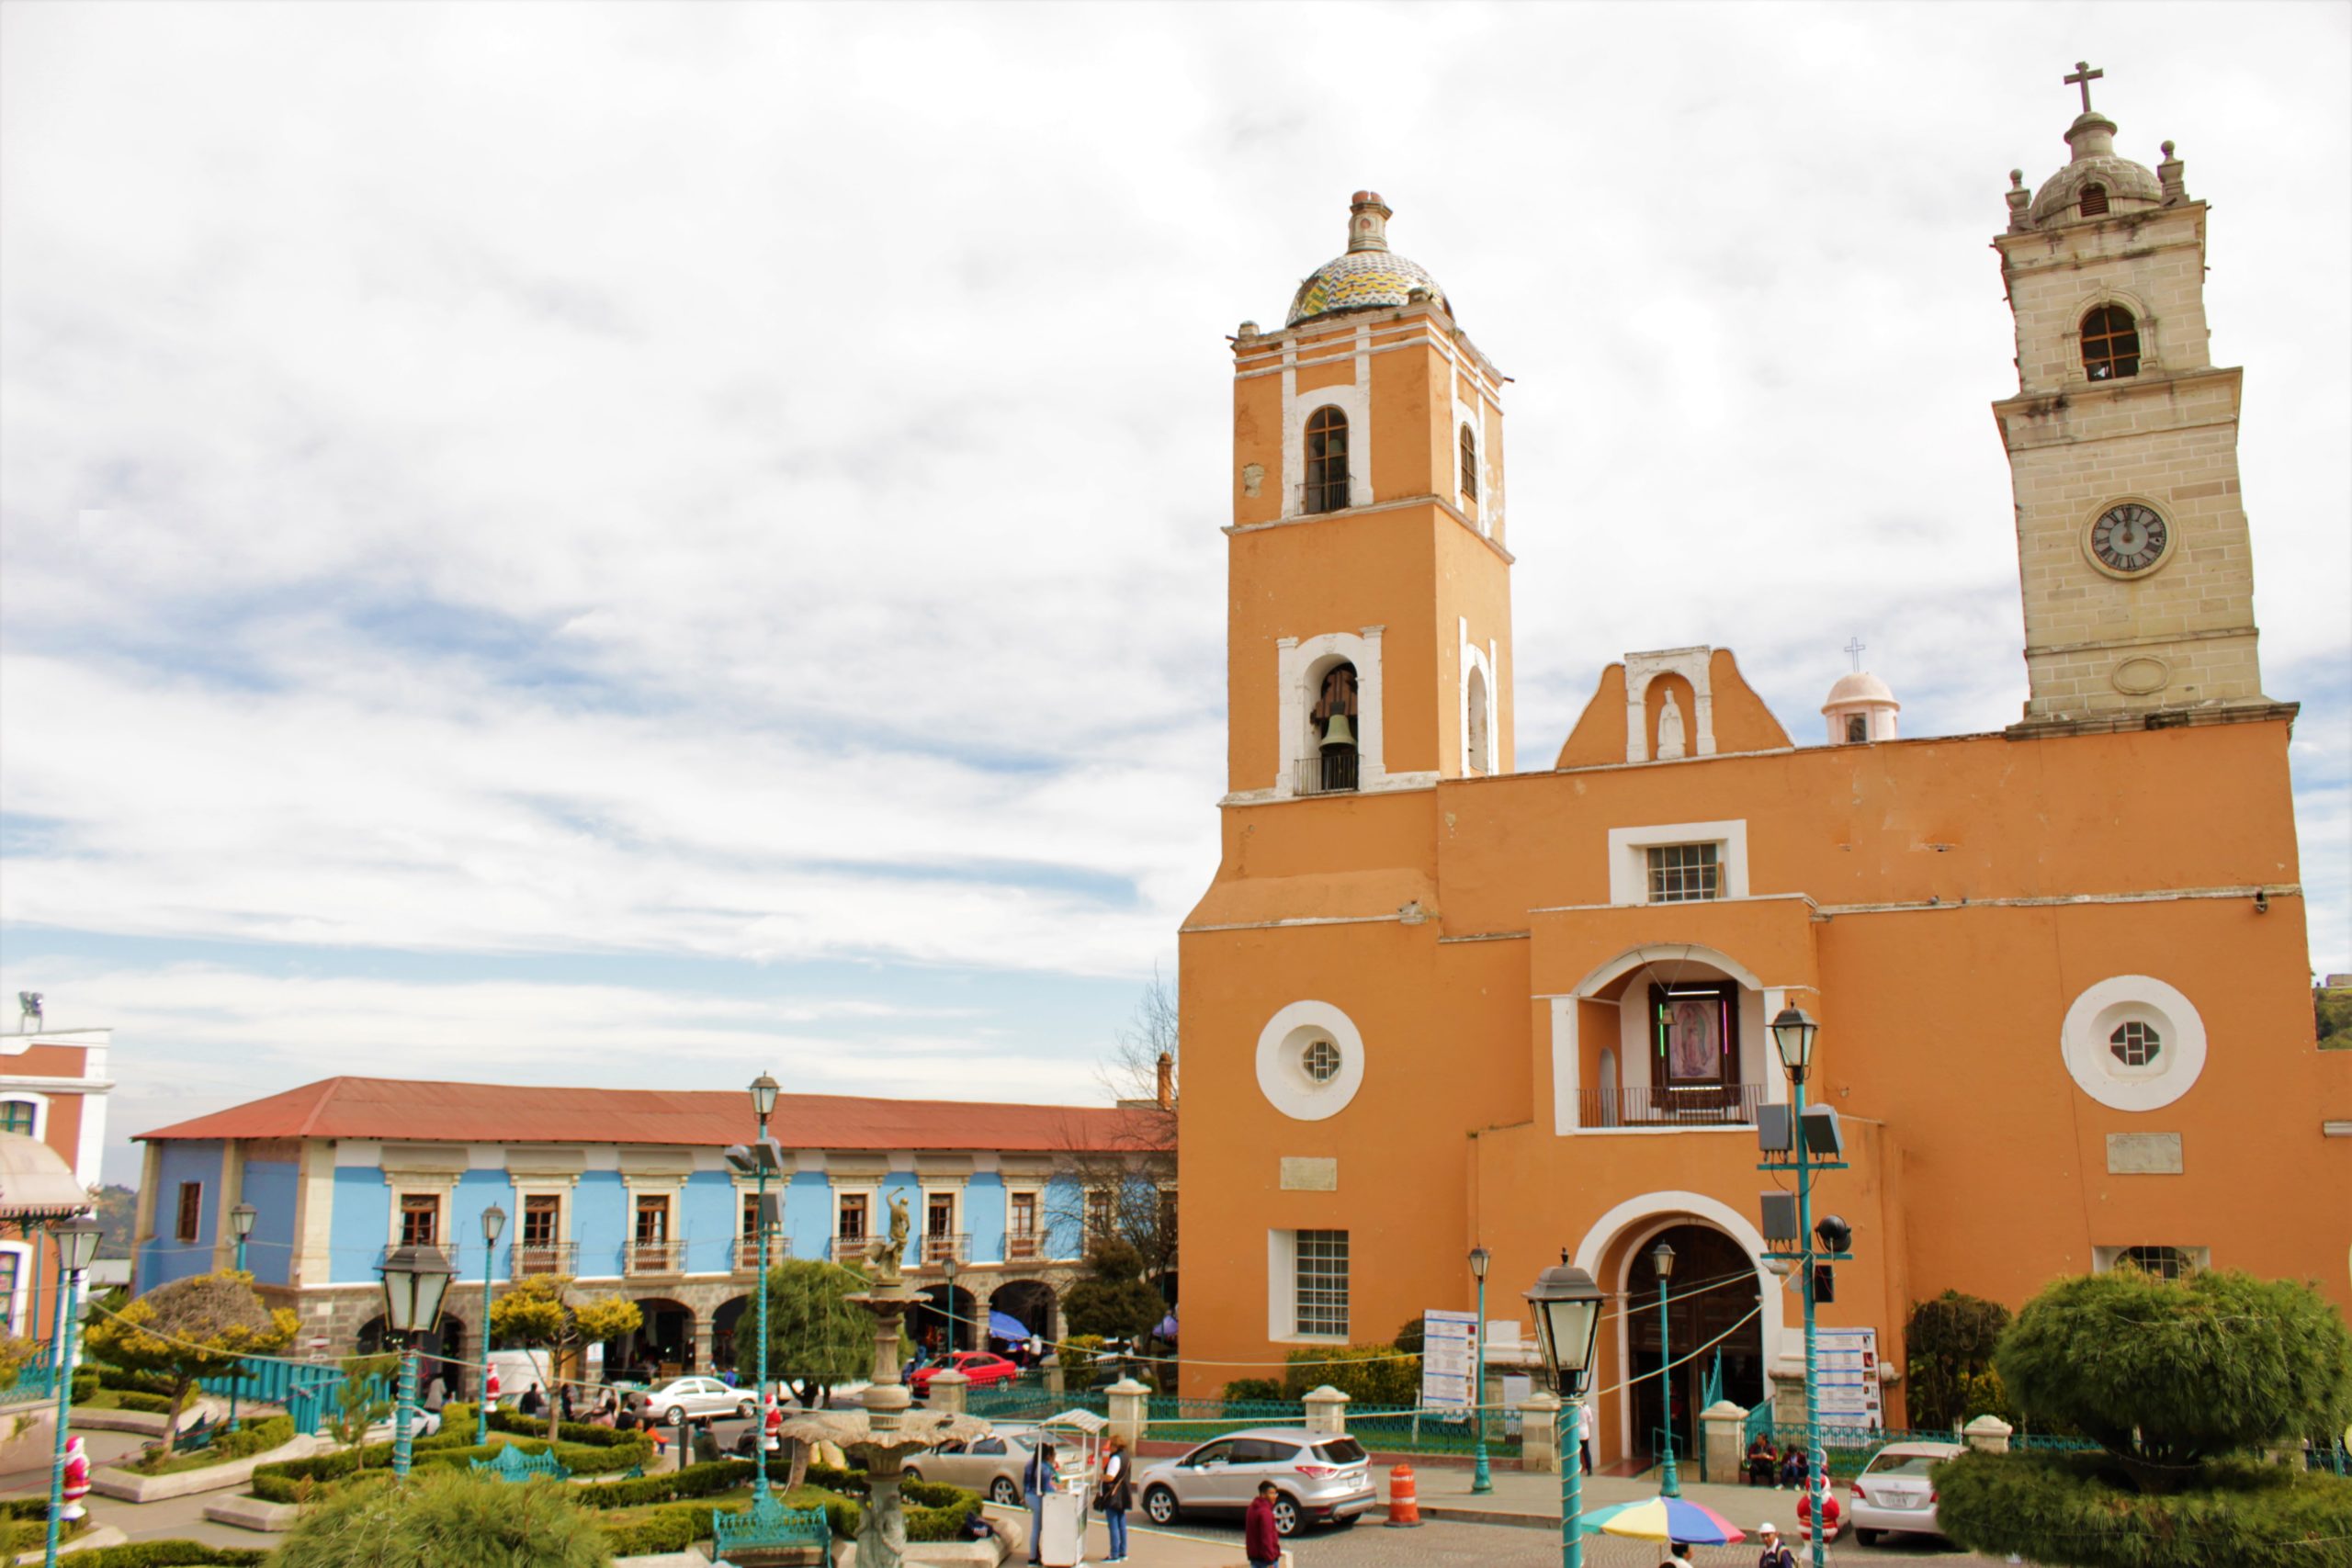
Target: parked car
pixel 689 1399
pixel 1322 1479
pixel 1894 1493
pixel 984 1367
pixel 992 1465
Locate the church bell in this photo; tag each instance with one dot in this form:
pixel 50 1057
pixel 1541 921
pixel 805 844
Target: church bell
pixel 1338 731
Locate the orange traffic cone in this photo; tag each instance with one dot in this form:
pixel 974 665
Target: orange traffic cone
pixel 1404 1503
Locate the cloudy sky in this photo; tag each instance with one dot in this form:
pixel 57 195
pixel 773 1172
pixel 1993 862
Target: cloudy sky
pixel 632 545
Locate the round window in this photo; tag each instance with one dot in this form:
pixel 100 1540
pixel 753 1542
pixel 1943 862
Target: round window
pixel 1321 1060
pixel 2135 1044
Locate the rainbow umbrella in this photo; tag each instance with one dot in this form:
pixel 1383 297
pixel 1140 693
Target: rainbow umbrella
pixel 1663 1518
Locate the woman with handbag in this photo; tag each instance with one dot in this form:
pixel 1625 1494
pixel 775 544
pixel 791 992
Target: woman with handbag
pixel 1116 1494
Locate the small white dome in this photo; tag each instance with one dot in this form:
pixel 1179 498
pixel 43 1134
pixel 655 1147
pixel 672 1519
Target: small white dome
pixel 1860 687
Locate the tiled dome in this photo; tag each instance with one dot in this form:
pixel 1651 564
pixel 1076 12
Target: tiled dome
pixel 1369 276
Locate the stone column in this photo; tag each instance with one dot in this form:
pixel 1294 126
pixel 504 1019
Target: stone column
pixel 1723 1426
pixel 706 1335
pixel 946 1393
pixel 1130 1410
pixel 1539 1433
pixel 1327 1412
pixel 1987 1434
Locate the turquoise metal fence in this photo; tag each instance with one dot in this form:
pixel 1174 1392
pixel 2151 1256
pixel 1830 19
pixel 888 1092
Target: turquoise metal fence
pixel 309 1390
pixel 35 1380
pixel 1404 1430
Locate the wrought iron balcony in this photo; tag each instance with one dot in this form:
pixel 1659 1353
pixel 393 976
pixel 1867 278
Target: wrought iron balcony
pixel 528 1258
pixel 1326 773
pixel 745 1258
pixel 1024 1247
pixel 655 1257
pixel 848 1248
pixel 938 1247
pixel 1643 1106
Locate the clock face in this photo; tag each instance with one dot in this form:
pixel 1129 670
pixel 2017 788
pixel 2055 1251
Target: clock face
pixel 2130 538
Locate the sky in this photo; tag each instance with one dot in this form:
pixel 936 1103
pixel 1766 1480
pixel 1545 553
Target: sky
pixel 638 545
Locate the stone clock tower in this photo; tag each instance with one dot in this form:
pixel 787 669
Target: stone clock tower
pixel 2122 442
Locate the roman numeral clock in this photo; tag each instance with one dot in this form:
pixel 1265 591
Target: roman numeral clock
pixel 2129 539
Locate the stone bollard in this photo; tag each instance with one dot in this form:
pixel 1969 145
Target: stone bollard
pixel 946 1391
pixel 1723 1429
pixel 1539 1433
pixel 1130 1407
pixel 1054 1378
pixel 1327 1412
pixel 1987 1434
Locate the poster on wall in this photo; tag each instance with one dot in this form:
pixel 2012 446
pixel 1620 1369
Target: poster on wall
pixel 1449 1360
pixel 1850 1393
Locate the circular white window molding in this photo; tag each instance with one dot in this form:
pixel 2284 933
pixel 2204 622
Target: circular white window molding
pixel 1310 1061
pixel 2088 1042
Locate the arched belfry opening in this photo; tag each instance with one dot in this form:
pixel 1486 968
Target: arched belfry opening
pixel 1480 752
pixel 1326 460
pixel 1333 723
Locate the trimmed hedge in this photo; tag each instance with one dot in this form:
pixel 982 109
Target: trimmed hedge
pixel 258 1438
pixel 1374 1375
pixel 2065 1508
pixel 169 1555
pixel 584 1432
pixel 145 1403
pixel 283 1481
pixel 670 1486
pixel 934 1511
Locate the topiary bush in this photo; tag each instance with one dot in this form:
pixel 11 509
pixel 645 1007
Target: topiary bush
pixel 445 1518
pixel 2066 1508
pixel 1948 1361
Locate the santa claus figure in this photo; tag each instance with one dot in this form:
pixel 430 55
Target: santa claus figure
pixel 490 1388
pixel 77 1480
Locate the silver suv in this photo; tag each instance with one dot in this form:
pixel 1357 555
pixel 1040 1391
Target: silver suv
pixel 1322 1479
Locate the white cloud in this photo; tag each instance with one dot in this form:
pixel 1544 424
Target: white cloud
pixel 746 481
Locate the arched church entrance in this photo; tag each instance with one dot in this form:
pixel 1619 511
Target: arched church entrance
pixel 1712 1323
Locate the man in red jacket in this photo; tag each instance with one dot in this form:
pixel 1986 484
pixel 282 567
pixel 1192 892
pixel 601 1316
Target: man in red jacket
pixel 1260 1538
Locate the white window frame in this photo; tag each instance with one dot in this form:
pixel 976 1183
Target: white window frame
pixel 1282 1289
pixel 2085 1046
pixel 38 1101
pixel 15 1303
pixel 1629 861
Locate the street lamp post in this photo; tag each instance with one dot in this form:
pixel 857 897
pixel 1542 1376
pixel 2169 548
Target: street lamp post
pixel 756 1161
pixel 493 1225
pixel 415 1281
pixel 1567 1321
pixel 1662 1260
pixel 1483 1479
pixel 240 1225
pixel 1792 1032
pixel 76 1241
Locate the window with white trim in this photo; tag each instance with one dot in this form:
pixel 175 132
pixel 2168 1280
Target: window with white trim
pixel 1683 874
pixel 19 1116
pixel 1320 1288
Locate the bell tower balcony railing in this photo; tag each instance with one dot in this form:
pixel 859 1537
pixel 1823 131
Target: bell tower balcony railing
pixel 1331 772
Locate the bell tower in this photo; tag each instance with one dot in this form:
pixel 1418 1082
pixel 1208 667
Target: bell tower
pixel 1368 586
pixel 2132 550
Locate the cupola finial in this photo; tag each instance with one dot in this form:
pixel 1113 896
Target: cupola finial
pixel 1368 222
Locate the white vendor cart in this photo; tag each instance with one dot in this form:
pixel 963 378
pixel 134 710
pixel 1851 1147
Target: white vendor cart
pixel 1076 1437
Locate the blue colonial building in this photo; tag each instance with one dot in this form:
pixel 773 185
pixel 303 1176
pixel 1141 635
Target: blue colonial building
pixel 627 1192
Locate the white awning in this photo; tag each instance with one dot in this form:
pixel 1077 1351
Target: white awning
pixel 36 1183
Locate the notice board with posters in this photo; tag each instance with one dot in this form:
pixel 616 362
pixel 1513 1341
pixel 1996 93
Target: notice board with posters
pixel 1850 1393
pixel 1449 1359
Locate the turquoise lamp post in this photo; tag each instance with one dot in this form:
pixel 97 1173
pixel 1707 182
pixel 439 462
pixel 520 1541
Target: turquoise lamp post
pixel 1567 1321
pixel 759 1160
pixel 1483 1479
pixel 76 1241
pixel 416 1279
pixel 1662 1260
pixel 1792 1033
pixel 493 1225
pixel 240 1225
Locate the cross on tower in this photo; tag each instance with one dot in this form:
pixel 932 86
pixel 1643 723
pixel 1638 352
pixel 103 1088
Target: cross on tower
pixel 1855 647
pixel 2082 77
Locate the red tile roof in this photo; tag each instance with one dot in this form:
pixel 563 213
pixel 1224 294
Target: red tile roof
pixel 497 1113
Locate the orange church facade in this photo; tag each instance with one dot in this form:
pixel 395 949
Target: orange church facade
pixel 1430 1001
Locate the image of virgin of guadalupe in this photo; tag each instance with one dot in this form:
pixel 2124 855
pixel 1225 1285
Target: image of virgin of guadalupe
pixel 1693 1040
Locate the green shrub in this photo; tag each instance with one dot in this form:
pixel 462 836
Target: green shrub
pixel 283 1481
pixel 1411 1338
pixel 445 1520
pixel 1948 1361
pixel 1077 1351
pixel 86 1385
pixel 695 1481
pixel 522 1426
pixel 1368 1374
pixel 934 1510
pixel 32 1534
pixel 247 1441
pixel 132 1382
pixel 1253 1391
pixel 2062 1509
pixel 168 1554
pixel 145 1403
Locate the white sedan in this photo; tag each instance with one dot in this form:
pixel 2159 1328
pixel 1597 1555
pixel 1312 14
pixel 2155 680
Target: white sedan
pixel 1894 1493
pixel 682 1400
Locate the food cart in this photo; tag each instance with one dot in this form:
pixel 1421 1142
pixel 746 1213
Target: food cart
pixel 1076 1437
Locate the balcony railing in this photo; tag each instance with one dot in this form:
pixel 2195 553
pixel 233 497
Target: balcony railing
pixel 531 1258
pixel 745 1258
pixel 1326 773
pixel 848 1248
pixel 1024 1247
pixel 1644 1106
pixel 939 1246
pixel 662 1257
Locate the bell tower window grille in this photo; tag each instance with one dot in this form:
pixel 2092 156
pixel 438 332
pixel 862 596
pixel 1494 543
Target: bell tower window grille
pixel 2111 344
pixel 1469 464
pixel 1327 461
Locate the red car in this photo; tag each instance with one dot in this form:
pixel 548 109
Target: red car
pixel 982 1367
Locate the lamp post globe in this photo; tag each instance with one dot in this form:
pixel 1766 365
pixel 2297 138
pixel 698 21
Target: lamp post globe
pixel 1566 1307
pixel 764 1090
pixel 1792 1032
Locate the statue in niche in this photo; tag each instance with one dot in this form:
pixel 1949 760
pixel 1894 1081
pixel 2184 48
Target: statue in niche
pixel 1669 729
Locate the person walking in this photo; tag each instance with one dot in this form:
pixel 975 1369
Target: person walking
pixel 1584 1435
pixel 1261 1537
pixel 1775 1554
pixel 1117 1494
pixel 1037 1478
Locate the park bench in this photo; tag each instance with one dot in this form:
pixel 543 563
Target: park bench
pixel 196 1439
pixel 767 1534
pixel 514 1464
